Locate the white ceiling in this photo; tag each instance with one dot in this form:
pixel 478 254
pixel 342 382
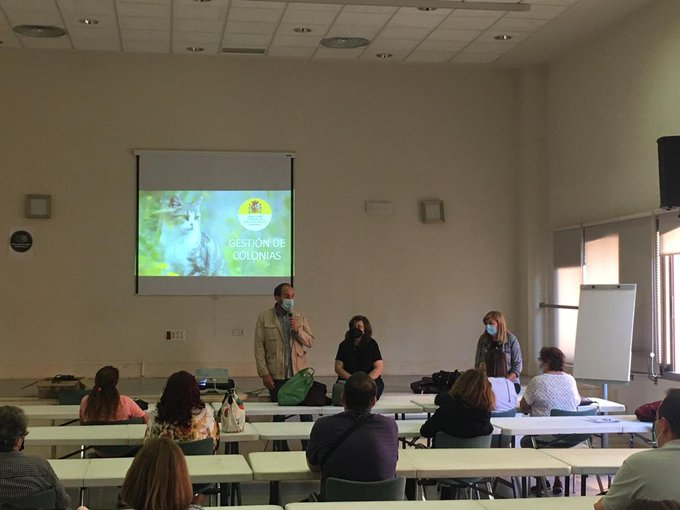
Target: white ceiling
pixel 445 35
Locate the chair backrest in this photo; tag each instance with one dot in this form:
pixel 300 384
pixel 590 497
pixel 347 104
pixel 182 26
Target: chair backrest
pixel 444 440
pixel 585 412
pixel 129 421
pixel 42 499
pixel 510 413
pixel 71 397
pixel 199 447
pixel 337 489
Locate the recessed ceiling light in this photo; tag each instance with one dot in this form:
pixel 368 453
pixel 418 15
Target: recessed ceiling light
pixel 384 55
pixel 195 49
pixel 344 42
pixel 503 37
pixel 302 30
pixel 89 21
pixel 39 30
pixel 427 9
pixel 202 1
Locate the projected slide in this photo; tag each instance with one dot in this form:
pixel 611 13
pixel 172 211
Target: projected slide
pixel 213 223
pixel 214 233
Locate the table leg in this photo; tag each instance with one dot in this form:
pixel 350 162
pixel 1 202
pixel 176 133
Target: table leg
pixel 583 484
pixel 567 483
pixel 275 493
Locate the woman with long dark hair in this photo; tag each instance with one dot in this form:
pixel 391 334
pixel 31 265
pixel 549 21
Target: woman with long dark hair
pixel 180 414
pixel 359 352
pixel 104 403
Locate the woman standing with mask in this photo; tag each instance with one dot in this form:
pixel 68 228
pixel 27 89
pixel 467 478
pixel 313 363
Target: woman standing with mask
pixel 497 336
pixel 358 352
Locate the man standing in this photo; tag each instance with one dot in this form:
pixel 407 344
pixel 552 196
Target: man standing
pixel 22 476
pixel 354 445
pixel 282 337
pixel 651 474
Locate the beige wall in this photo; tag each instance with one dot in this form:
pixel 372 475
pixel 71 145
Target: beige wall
pixel 608 102
pixel 361 132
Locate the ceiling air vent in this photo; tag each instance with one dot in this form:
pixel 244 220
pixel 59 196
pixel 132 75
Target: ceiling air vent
pixel 245 51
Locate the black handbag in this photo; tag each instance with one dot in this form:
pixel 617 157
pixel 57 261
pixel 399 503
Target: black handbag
pixel 316 396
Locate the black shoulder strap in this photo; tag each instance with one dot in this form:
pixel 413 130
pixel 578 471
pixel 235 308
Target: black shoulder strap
pixel 344 436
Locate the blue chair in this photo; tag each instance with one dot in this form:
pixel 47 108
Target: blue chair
pixel 337 489
pixel 470 486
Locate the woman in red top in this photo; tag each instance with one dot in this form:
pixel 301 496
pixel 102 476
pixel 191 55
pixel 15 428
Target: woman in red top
pixel 104 403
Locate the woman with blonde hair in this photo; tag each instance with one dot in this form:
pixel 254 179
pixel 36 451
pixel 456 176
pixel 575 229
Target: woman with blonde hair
pixel 497 336
pixel 158 478
pixel 467 413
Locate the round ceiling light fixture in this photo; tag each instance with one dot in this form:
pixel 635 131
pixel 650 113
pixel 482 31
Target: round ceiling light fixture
pixel 503 37
pixel 40 30
pixel 344 42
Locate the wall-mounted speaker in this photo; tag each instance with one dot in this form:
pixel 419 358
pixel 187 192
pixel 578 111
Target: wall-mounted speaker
pixel 669 171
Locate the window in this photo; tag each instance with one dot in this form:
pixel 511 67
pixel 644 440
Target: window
pixel 668 295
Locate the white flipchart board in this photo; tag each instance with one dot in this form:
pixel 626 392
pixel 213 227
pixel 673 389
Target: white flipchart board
pixel 604 332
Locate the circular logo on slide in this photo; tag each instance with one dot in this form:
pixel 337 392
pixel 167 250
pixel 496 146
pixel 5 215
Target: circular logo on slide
pixel 254 214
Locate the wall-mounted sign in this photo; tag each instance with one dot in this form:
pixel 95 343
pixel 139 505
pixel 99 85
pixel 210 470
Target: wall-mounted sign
pixel 20 243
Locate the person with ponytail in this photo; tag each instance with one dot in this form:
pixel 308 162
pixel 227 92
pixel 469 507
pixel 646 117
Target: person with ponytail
pixel 104 403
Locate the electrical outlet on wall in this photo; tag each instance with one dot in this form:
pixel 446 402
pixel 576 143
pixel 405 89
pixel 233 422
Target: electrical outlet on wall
pixel 176 335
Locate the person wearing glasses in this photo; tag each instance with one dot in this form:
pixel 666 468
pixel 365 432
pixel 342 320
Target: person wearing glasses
pixel 497 336
pixel 651 474
pixel 22 475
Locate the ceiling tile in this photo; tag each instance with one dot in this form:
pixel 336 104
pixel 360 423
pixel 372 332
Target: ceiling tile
pixel 196 38
pixel 393 45
pixel 404 33
pixel 336 54
pixel 519 24
pixel 250 4
pixel 450 46
pixel 250 27
pixel 474 58
pixel 212 4
pixel 498 47
pixel 352 31
pixel 146 46
pixel 97 44
pixel 408 17
pixel 189 25
pixel 8 38
pixel 133 23
pixel 29 5
pixel 146 35
pixel 551 2
pixel 90 8
pixel 246 41
pixel 468 23
pixel 84 32
pixel 539 12
pixel 430 56
pixel 308 16
pixel 292 52
pixel 369 9
pixel 198 12
pixel 447 34
pixel 474 13
pixel 294 6
pixel 145 10
pixel 258 15
pixel 299 40
pixel 362 19
pixel 25 17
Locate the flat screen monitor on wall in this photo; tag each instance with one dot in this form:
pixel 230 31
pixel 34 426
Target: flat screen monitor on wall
pixel 213 223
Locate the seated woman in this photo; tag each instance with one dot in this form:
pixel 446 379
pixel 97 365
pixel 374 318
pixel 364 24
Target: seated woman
pixel 359 352
pixel 467 413
pixel 104 403
pixel 180 414
pixel 158 478
pixel 496 367
pixel 553 389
